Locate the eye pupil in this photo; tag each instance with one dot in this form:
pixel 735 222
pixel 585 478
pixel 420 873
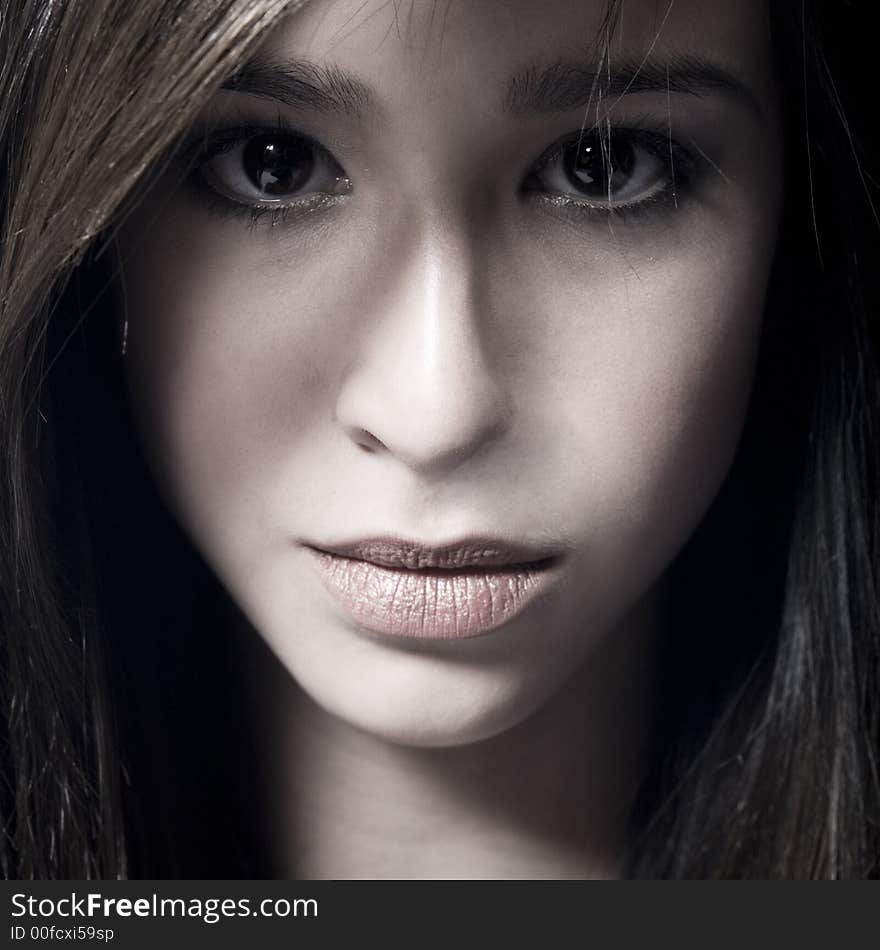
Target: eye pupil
pixel 278 166
pixel 599 169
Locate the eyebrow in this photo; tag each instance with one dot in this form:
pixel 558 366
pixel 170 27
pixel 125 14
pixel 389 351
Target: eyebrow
pixel 302 85
pixel 564 85
pixel 534 89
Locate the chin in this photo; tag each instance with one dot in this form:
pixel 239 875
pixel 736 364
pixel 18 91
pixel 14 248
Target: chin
pixel 425 701
pixel 415 729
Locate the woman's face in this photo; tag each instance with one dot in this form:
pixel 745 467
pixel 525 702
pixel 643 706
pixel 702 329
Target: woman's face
pixel 440 359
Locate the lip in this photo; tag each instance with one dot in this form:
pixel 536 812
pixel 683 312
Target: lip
pixel 455 591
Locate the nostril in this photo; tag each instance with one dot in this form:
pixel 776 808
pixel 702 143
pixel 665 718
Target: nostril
pixel 366 441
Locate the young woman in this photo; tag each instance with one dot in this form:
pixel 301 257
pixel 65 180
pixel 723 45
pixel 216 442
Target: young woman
pixel 439 441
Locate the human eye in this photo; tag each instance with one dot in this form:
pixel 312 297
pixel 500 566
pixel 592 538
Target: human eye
pixel 259 171
pixel 612 171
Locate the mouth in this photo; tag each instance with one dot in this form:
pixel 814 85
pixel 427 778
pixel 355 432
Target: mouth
pixel 454 591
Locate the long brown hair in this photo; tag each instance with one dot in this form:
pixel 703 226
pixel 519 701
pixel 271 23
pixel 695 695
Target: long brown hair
pixel 766 756
pixel 93 92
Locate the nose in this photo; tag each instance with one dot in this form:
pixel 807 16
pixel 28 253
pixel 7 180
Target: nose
pixel 421 387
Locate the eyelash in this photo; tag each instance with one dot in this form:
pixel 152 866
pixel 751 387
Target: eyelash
pixel 678 163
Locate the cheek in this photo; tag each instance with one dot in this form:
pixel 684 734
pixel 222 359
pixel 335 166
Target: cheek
pixel 653 360
pixel 230 366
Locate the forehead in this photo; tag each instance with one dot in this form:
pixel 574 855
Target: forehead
pixel 410 46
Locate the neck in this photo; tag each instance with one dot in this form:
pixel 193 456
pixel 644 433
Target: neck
pixel 548 798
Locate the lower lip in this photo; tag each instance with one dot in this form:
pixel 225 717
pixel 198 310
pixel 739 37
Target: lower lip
pixel 432 604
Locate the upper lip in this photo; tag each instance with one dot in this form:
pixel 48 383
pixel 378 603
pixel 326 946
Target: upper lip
pixel 413 555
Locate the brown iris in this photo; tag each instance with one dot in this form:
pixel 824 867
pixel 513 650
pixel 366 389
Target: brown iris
pixel 278 166
pixel 598 169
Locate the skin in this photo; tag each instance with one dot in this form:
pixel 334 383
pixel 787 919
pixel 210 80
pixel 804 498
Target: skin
pixel 439 353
